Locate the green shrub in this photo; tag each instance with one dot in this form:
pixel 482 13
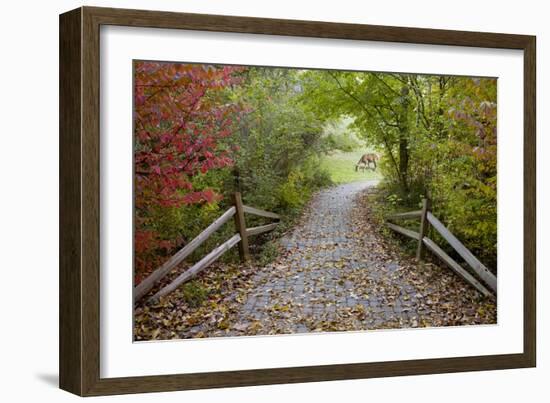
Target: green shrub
pixel 295 191
pixel 194 294
pixel 268 253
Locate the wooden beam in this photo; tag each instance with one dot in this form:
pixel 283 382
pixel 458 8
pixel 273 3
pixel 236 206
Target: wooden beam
pixel 145 286
pixel 197 267
pixel 424 224
pixel 482 271
pixel 261 229
pixel 404 231
pixel 72 181
pixel 261 213
pixel 458 269
pixel 408 214
pixel 240 224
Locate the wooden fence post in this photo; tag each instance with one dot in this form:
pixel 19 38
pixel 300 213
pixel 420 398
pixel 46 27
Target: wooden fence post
pixel 423 229
pixel 240 224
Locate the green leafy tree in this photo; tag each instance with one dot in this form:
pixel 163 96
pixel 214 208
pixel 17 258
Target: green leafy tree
pixel 437 135
pixel 279 140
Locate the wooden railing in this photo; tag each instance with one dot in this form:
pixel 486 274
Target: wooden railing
pixel 241 239
pixel 427 218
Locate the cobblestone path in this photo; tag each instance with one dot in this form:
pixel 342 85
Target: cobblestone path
pixel 310 285
pixel 336 276
pixel 337 272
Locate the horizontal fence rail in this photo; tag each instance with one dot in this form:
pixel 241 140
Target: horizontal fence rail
pixel 261 213
pixel 241 238
pixel 404 231
pixel 408 214
pixel 197 267
pixel 145 286
pixel 427 218
pixel 261 229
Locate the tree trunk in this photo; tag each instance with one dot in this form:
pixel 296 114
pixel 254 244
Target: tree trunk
pixel 404 139
pixel 404 160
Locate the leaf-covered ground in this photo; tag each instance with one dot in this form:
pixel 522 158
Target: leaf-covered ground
pixel 336 272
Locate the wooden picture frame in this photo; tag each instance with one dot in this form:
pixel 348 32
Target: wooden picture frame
pixel 80 184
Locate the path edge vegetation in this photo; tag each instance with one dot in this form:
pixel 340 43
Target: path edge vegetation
pixel 263 132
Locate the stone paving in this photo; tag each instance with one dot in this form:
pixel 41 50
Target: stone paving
pixel 327 279
pixel 337 272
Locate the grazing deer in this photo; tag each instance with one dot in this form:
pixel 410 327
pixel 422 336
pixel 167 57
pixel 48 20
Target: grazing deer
pixel 366 160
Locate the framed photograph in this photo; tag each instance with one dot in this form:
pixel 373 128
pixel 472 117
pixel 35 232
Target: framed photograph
pixel 249 201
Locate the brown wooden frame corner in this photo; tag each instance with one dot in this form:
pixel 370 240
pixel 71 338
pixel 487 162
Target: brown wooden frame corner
pixel 79 200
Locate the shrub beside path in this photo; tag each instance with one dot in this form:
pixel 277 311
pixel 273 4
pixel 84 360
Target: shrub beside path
pixel 336 272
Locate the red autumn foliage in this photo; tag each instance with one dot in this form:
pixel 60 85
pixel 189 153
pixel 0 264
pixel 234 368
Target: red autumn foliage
pixel 180 116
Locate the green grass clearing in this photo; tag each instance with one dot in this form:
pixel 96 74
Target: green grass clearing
pixel 341 166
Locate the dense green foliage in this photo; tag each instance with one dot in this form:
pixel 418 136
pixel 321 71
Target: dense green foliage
pixel 270 150
pixel 276 135
pixel 280 142
pixel 339 135
pixel 437 135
